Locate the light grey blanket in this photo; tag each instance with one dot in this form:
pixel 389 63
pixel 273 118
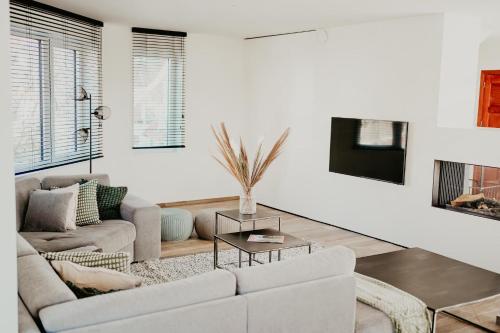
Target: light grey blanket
pixel 407 313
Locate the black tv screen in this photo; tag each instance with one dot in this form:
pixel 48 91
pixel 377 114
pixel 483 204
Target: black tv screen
pixel 369 148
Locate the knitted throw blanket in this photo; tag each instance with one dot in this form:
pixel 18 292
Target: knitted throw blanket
pixel 407 313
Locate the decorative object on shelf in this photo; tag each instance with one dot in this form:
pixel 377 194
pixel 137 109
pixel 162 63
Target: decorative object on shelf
pixel 248 202
pixel 238 165
pixel 101 113
pixel 256 238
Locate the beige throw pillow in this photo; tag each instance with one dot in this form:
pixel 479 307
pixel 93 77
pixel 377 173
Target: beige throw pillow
pixel 47 211
pixel 94 277
pixel 71 219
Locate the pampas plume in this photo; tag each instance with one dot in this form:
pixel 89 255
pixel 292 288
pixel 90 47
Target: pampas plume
pixel 238 164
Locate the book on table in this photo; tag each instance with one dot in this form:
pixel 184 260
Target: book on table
pixel 266 239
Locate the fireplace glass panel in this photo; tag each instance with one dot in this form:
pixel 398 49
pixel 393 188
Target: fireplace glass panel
pixel 467 188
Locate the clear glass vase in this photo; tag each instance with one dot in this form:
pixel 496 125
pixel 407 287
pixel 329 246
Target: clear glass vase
pixel 248 203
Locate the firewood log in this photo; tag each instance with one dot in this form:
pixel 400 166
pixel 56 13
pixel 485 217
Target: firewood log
pixel 466 198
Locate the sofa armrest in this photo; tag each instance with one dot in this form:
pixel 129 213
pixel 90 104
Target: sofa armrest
pixel 147 221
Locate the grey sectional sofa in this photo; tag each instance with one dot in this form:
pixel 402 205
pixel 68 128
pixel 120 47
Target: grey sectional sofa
pixel 138 233
pixel 313 293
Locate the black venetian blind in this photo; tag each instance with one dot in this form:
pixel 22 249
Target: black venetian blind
pixel 158 67
pixel 53 54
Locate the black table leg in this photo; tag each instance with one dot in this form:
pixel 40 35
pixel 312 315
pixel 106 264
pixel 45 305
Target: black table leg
pixel 216 230
pixel 239 253
pixel 216 259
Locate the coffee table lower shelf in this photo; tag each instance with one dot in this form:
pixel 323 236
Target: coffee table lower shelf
pixel 239 241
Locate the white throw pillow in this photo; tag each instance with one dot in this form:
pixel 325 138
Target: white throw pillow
pixel 71 219
pixel 102 279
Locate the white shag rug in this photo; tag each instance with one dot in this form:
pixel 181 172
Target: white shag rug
pixel 171 269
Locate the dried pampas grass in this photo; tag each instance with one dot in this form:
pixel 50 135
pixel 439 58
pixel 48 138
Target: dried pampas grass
pixel 238 164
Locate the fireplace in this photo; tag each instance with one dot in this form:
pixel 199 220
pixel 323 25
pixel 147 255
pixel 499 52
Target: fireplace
pixel 467 188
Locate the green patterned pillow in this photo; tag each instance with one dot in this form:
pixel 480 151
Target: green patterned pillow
pixel 86 292
pixel 118 261
pixel 87 211
pixel 109 200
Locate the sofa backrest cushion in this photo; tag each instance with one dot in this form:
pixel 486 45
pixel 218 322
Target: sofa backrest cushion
pixel 64 181
pixel 219 316
pixel 324 305
pixel 125 304
pixel 334 261
pixel 39 286
pixel 24 248
pixel 24 187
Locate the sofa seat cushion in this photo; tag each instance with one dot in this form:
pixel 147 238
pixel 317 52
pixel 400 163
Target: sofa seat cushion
pixel 371 320
pixel 110 236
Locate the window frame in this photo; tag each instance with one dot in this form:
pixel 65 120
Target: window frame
pixel 70 36
pixel 175 104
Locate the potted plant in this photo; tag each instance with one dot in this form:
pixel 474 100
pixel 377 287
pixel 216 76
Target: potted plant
pixel 237 164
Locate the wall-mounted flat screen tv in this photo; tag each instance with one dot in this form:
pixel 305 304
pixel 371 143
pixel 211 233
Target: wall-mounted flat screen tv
pixel 369 148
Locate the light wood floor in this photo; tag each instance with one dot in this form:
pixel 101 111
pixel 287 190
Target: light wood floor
pixel 326 236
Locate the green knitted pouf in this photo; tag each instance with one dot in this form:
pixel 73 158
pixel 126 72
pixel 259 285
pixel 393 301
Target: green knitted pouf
pixel 176 224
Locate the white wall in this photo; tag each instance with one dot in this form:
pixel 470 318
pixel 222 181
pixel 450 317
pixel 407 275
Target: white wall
pixel 489 53
pixel 383 70
pixel 458 80
pixel 214 93
pixel 8 278
pixel 488 59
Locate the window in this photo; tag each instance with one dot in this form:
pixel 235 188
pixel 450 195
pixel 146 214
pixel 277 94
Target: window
pixel 158 66
pixel 489 102
pixel 53 54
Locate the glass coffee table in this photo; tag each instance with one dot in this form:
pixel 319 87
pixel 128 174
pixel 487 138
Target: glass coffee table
pixel 262 214
pixel 239 241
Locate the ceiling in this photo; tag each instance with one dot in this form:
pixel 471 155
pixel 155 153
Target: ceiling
pixel 250 18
